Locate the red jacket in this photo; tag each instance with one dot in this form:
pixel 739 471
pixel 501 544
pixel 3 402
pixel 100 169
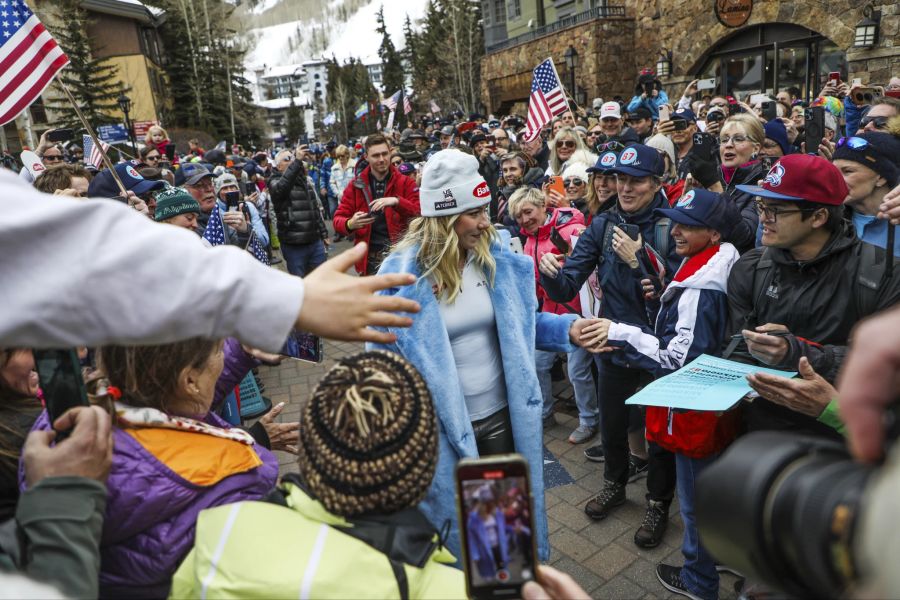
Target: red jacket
pixel 568 222
pixel 357 198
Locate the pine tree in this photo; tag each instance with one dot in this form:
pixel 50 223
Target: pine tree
pixel 392 66
pixel 93 82
pixel 295 123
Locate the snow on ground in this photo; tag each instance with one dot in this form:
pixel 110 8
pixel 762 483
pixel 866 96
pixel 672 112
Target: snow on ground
pixel 356 38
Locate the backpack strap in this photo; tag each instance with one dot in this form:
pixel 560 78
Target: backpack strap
pixel 870 276
pixel 661 236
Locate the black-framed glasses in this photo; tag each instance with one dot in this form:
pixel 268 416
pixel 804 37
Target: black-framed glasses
pixel 853 142
pixel 772 212
pixel 880 122
pixel 576 181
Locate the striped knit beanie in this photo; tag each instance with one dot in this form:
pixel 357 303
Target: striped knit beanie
pixel 368 443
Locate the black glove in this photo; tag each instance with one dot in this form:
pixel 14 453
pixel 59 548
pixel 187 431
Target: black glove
pixel 705 172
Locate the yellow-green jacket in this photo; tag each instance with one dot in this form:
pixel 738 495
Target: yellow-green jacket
pixel 267 550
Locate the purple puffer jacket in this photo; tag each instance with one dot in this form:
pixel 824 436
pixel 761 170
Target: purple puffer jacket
pixel 151 511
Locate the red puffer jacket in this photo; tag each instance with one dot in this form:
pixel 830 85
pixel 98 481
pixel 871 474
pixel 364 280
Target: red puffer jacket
pixel 568 222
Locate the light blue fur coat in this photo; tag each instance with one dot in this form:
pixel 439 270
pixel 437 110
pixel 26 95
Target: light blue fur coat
pixel 521 329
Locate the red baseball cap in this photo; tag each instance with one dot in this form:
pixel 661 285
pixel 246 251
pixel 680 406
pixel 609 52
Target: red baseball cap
pixel 802 178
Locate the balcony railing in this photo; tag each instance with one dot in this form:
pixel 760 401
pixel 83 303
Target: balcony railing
pixel 582 17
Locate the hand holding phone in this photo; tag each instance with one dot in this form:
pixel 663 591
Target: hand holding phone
pixel 59 372
pixel 496 522
pixel 664 113
pixel 232 199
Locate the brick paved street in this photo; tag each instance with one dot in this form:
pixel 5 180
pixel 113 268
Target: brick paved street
pixel 601 556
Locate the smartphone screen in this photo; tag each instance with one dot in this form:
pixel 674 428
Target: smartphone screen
pixel 232 199
pixel 496 525
pixel 303 346
pixel 59 372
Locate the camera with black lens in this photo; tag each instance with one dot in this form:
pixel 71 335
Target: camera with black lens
pixel 784 509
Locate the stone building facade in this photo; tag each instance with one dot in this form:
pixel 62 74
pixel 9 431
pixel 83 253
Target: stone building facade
pixel 783 43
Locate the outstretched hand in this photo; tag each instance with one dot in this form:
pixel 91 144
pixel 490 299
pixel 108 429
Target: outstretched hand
pixel 282 436
pixel 344 307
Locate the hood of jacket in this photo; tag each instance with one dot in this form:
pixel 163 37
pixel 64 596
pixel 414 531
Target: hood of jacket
pixel 706 270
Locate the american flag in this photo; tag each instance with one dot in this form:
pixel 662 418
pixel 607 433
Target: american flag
pixel 255 247
pixel 407 105
pixel 215 230
pixel 547 99
pixel 92 157
pixel 29 59
pixel 391 103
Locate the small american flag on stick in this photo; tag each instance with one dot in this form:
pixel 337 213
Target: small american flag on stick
pixel 547 99
pixel 92 157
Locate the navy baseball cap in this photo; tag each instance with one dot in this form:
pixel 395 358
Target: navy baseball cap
pixel 700 208
pixel 104 186
pixel 606 162
pixel 685 114
pixel 638 160
pixel 191 174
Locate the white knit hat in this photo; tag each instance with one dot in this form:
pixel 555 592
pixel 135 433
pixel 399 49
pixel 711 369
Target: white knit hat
pixel 223 180
pixel 662 142
pixel 576 169
pixel 452 185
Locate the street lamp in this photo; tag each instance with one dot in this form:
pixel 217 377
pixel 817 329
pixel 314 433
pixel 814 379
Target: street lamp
pixel 125 104
pixel 571 57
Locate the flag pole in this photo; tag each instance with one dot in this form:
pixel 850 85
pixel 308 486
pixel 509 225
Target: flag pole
pixel 562 85
pixel 90 130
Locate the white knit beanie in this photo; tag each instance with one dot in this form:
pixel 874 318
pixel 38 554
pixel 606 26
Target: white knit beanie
pixel 662 142
pixel 576 169
pixel 452 185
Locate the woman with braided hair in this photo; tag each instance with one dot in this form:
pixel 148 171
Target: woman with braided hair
pixel 345 526
pixel 475 338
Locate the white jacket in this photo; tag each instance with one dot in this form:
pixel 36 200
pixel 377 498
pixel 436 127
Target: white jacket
pixel 341 177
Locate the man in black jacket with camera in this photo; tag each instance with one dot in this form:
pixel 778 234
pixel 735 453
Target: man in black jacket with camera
pixel 301 226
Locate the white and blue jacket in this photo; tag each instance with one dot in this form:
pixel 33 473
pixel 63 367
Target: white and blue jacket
pixel 692 318
pixel 520 329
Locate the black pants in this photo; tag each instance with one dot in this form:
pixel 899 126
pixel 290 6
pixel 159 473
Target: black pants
pixel 493 434
pixel 615 385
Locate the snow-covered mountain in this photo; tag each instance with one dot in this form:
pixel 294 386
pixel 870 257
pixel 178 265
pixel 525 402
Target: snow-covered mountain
pixel 293 31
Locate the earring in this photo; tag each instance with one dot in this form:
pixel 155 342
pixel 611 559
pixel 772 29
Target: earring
pixel 754 156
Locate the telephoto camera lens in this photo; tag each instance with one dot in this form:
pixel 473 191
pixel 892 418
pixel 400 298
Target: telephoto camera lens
pixel 782 508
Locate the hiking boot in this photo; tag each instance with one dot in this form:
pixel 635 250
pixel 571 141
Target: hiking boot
pixel 656 519
pixel 612 495
pixel 637 468
pixel 670 578
pixel 595 453
pixel 582 434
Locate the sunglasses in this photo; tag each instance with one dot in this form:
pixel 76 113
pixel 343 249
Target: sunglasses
pixel 594 133
pixel 154 158
pixel 53 157
pixel 853 142
pixel 576 181
pixel 565 144
pixel 613 146
pixel 880 122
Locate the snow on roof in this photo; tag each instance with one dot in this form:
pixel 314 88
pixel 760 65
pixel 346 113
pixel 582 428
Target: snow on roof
pixel 282 70
pixel 279 103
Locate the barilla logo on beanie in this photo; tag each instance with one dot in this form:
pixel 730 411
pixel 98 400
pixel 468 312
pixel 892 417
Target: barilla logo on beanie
pixel 452 185
pixel 775 175
pixel 608 159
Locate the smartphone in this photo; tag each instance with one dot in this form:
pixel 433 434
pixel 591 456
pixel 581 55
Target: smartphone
pixel 60 135
pixel 815 128
pixel 631 229
pixel 303 346
pixel 664 113
pixel 769 110
pixel 556 183
pixel 680 124
pixel 856 81
pixel 863 95
pixel 704 145
pixel 496 524
pixel 758 99
pixel 59 372
pixel 232 199
pixel 835 77
pixel 892 93
pixel 515 244
pixel 559 242
pixel 170 152
pixel 707 84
